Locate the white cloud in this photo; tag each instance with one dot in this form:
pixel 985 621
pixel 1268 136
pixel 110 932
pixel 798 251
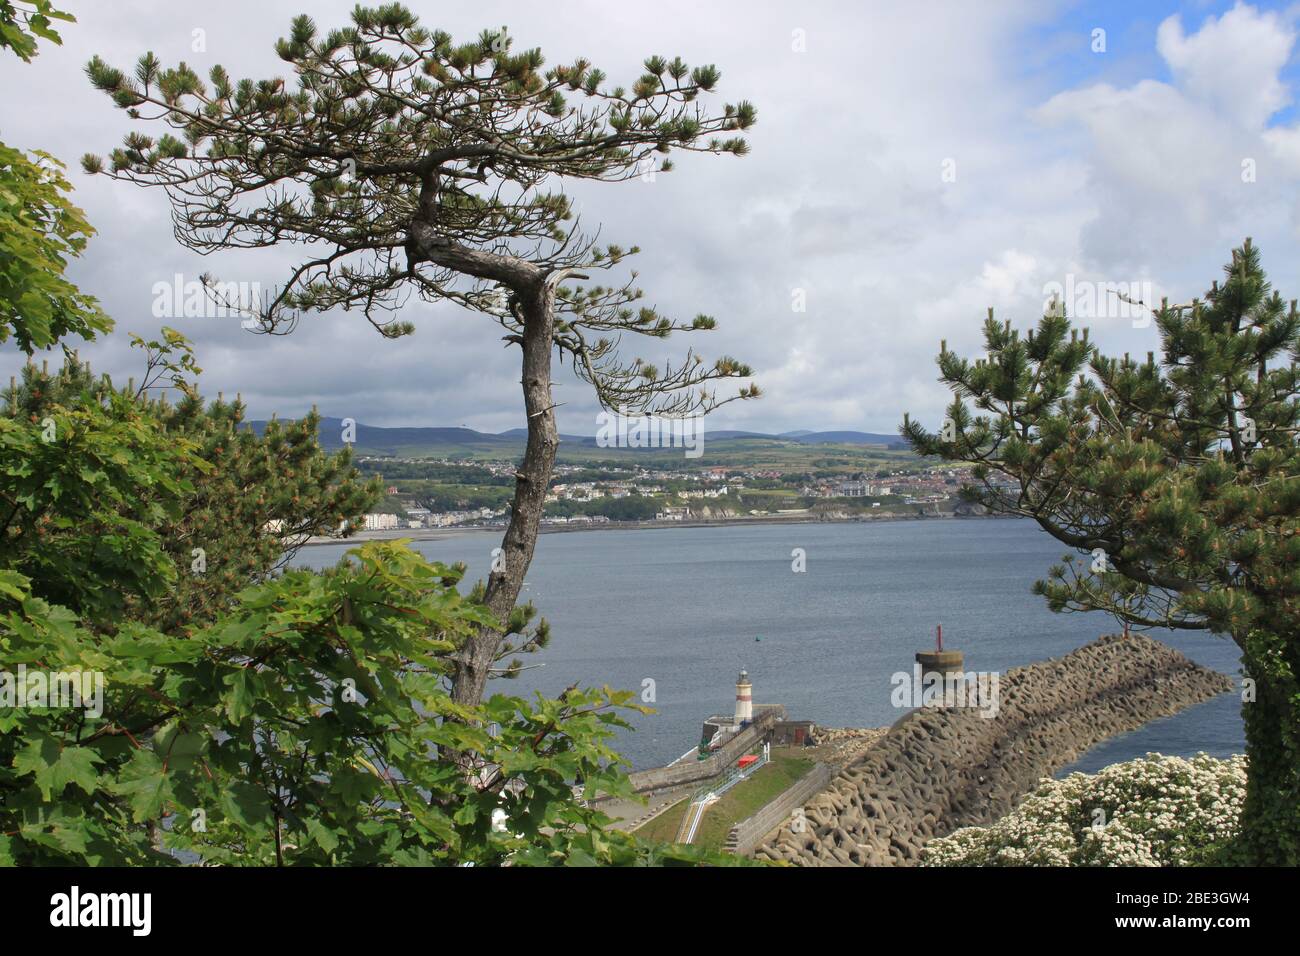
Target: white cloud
pixel 1179 170
pixel 842 196
pixel 1231 62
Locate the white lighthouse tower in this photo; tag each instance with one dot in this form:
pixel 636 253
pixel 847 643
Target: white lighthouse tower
pixel 744 700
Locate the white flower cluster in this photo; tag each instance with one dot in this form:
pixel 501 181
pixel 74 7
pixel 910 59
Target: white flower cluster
pixel 1156 811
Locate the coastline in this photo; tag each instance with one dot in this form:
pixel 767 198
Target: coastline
pixel 438 534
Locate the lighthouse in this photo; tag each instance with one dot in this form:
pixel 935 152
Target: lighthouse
pixel 744 700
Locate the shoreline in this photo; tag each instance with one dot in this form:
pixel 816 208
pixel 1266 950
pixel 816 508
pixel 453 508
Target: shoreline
pixel 438 534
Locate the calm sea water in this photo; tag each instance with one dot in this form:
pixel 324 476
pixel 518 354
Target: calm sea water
pixel 682 607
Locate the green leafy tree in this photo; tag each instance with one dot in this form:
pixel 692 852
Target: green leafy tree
pixel 85 482
pixel 302 720
pixel 631 508
pixel 307 722
pixel 301 729
pixel 413 164
pixel 39 231
pixel 1177 478
pixel 39 228
pixel 196 491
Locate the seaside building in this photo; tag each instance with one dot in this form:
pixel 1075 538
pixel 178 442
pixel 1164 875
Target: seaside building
pixel 671 513
pixel 721 727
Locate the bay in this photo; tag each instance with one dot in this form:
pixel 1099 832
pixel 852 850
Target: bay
pixel 680 611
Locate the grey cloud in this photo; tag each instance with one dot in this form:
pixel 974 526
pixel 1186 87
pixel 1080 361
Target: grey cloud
pixel 841 196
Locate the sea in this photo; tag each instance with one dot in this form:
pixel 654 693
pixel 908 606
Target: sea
pixel 676 613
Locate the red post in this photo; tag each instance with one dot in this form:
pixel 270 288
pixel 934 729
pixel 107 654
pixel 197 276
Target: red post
pixel 938 638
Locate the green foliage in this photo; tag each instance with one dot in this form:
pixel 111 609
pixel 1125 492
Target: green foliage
pixel 39 231
pixel 1180 481
pixel 296 721
pixel 23 22
pixel 39 228
pixel 630 508
pixel 173 509
pixel 86 478
pixel 251 719
pixel 301 729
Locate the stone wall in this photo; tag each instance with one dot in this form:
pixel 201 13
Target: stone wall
pixel 746 835
pixel 938 770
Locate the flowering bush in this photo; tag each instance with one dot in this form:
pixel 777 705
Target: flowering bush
pixel 1155 811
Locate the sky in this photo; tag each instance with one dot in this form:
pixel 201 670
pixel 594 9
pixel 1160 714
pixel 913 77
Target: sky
pixel 912 166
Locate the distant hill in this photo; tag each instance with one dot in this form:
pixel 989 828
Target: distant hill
pixel 521 434
pixel 847 438
pixel 725 433
pixel 454 442
pixel 401 441
pixel 805 437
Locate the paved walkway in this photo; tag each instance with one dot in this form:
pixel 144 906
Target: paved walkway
pixel 629 814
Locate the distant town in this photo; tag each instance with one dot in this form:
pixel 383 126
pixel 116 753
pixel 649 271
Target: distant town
pixel 451 493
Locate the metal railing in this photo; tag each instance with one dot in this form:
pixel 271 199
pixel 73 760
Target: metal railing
pixel 712 792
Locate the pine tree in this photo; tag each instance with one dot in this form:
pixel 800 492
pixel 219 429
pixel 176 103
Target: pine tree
pixel 1176 478
pixel 412 164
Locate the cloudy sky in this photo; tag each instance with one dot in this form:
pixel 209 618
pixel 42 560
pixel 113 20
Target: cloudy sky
pixel 913 164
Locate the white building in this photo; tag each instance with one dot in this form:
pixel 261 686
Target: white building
pixel 672 513
pixel 744 700
pixel 381 522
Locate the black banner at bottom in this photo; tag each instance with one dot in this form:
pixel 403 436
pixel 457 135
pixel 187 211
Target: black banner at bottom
pixel 346 906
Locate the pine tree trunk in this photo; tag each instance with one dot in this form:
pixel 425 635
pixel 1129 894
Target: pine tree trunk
pixel 531 483
pixel 1270 821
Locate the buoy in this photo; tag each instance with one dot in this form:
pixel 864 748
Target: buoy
pixel 758 638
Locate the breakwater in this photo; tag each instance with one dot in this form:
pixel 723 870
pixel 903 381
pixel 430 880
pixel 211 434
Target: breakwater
pixel 941 769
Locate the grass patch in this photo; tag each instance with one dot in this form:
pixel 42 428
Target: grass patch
pixel 663 828
pixel 738 803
